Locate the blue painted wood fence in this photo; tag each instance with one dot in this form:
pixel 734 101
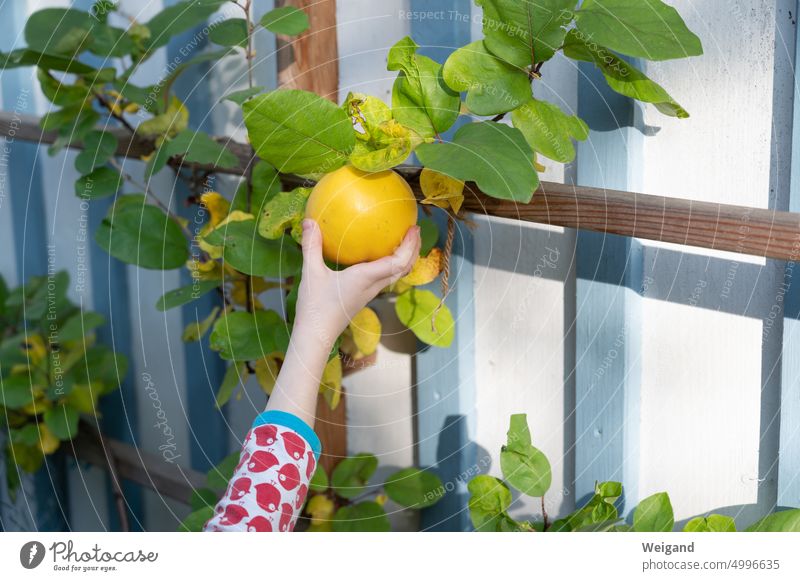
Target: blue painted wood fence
pixel 610 284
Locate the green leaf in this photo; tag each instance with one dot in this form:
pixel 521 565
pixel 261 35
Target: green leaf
pixel 381 142
pixel 235 375
pixel 429 232
pixel 525 32
pixel 416 307
pixel 61 93
pixel 524 467
pixel 608 491
pixel 597 514
pixel 79 325
pixel 493 86
pixel 548 130
pixel 98 148
pixel 248 252
pixel 239 97
pixel 414 488
pixel 24 57
pixel 285 210
pixel 100 183
pixel 713 523
pixel 194 147
pixel 231 32
pixel 299 131
pixel 420 98
pixel 654 514
pixel 178 18
pixel 319 480
pixel 351 475
pixel 647 29
pixel 785 521
pixel 266 185
pixel 488 502
pixel 196 520
pixel 217 478
pixel 101 364
pixel 286 20
pixel 493 155
pixel 202 498
pixel 368 517
pixel 243 336
pixel 144 235
pixel 17 391
pixel 69 32
pixel 186 294
pixel 62 421
pixel 621 76
pixel 159 93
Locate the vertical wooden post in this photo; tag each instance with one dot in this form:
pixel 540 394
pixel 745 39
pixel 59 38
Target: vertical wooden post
pixel 311 62
pixel 788 493
pixel 609 279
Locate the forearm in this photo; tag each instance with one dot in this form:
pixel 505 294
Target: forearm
pixel 297 384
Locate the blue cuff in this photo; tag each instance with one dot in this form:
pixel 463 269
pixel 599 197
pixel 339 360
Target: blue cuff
pixel 291 421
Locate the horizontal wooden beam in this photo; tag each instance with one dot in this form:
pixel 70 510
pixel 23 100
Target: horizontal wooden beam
pixel 739 229
pixel 149 470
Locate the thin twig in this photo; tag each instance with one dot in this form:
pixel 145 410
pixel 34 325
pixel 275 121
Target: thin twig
pixel 544 515
pixel 116 116
pixel 149 193
pixel 113 469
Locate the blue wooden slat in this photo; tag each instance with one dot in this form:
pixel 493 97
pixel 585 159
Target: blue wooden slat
pixel 109 280
pixel 445 378
pixel 609 276
pixel 789 445
pixel 30 235
pixel 204 368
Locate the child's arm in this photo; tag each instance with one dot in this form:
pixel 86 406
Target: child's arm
pixel 281 450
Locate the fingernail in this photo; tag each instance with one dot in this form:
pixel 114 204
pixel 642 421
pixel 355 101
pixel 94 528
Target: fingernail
pixel 306 225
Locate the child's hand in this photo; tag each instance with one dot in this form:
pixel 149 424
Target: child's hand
pixel 328 299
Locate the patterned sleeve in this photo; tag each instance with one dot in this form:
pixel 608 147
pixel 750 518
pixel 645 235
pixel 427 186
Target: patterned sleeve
pixel 270 483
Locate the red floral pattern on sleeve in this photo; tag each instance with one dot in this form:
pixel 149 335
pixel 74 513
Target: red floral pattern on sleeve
pixel 269 485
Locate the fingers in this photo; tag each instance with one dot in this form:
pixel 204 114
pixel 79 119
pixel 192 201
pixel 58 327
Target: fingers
pixel 392 268
pixel 312 246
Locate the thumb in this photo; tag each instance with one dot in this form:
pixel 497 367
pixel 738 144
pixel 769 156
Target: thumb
pixel 312 245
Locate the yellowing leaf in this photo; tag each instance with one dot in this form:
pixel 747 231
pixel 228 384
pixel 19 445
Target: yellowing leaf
pixel 440 190
pixel 34 347
pixel 285 210
pixel 47 441
pixel 216 205
pixel 320 508
pixel 366 332
pixel 267 371
pixel 174 120
pixel 84 398
pixel 331 384
pixel 216 251
pixel 208 270
pixel 195 330
pixel 425 269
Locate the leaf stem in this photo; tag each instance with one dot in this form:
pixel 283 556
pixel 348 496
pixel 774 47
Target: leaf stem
pixel 544 516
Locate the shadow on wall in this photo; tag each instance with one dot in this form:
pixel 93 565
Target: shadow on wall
pixel 458 459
